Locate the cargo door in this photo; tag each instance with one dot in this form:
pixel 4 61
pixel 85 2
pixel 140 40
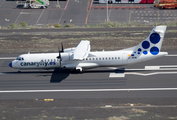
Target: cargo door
pixel 124 58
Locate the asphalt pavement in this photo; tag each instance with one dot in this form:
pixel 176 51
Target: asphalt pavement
pixel 61 94
pixel 134 77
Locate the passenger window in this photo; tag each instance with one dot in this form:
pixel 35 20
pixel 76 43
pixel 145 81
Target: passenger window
pixel 96 58
pixel 93 58
pixel 100 58
pixel 90 59
pixel 106 58
pixel 115 58
pixel 22 59
pixel 103 58
pixel 109 58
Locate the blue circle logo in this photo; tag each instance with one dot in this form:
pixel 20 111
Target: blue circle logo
pixel 145 52
pixel 154 50
pixel 145 44
pixel 155 38
pixel 139 49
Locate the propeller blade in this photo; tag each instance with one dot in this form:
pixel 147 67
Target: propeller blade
pixel 62 50
pixel 60 63
pixel 59 56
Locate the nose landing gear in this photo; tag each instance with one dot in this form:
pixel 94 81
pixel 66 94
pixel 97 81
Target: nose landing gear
pixel 18 70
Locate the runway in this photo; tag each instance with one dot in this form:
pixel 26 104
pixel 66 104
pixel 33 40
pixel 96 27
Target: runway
pixel 151 79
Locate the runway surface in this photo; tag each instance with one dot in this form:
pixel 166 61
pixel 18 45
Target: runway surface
pixel 152 79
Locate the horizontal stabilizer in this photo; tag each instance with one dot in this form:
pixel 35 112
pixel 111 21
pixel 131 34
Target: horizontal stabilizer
pixel 82 50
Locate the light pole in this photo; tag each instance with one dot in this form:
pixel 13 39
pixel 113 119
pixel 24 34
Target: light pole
pixel 58 3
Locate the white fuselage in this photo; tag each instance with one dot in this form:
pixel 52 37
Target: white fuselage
pixel 94 59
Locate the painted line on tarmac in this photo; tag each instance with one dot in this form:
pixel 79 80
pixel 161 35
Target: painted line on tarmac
pixel 66 4
pixel 6 58
pixel 2 3
pixel 18 16
pixel 172 55
pixel 40 16
pixel 147 68
pixel 90 90
pixel 114 75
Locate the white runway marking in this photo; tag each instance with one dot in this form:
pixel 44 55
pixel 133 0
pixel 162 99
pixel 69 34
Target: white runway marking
pixel 147 68
pixel 171 67
pixel 117 75
pixel 141 74
pixel 172 55
pixel 5 58
pixel 89 90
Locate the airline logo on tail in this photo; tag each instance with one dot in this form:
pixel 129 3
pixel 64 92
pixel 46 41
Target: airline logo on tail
pixel 152 44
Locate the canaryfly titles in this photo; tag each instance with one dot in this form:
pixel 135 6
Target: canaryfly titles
pixel 37 64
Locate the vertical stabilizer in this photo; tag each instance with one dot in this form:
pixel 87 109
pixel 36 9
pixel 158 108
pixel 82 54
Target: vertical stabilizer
pixel 152 44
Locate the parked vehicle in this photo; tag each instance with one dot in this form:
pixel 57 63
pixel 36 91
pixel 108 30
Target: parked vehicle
pixel 126 1
pixel 34 4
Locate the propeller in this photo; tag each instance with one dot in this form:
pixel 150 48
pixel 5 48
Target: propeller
pixel 60 51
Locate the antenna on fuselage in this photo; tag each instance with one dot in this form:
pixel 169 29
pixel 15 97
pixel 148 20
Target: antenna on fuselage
pixel 28 52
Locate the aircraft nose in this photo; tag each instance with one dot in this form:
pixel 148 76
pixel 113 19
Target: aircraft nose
pixel 10 64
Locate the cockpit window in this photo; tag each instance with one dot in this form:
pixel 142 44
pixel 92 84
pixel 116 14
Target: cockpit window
pixel 19 58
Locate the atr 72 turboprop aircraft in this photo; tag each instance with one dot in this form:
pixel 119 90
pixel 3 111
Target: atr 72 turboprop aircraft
pixel 80 57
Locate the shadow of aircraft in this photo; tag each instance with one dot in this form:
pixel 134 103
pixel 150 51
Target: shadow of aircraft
pixel 59 75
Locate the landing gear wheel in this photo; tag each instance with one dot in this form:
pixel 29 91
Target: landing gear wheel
pixel 19 71
pixel 42 7
pixel 29 7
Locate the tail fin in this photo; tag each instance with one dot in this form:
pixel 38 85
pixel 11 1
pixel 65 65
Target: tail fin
pixel 152 44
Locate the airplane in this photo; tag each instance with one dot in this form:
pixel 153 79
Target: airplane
pixel 81 58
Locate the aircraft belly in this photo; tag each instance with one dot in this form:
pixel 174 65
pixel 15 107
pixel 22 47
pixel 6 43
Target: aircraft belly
pixel 109 63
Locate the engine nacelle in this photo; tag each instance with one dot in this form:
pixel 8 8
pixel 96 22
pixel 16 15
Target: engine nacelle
pixel 69 50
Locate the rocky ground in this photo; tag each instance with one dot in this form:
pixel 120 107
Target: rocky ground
pixel 100 40
pixel 89 109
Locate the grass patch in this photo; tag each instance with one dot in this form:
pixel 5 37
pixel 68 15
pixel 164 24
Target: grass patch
pixel 67 25
pixel 24 25
pixel 56 25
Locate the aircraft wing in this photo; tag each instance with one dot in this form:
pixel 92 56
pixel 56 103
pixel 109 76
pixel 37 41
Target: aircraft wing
pixel 82 50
